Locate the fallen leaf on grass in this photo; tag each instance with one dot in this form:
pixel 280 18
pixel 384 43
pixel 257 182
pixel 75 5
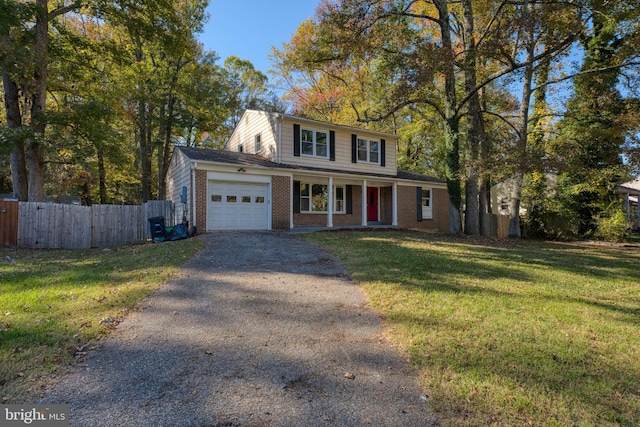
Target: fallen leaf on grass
pixel 208 352
pixel 349 375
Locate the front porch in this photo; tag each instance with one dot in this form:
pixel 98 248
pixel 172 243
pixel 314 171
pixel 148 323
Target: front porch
pixel 334 203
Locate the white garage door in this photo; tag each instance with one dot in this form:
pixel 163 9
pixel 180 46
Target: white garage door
pixel 237 206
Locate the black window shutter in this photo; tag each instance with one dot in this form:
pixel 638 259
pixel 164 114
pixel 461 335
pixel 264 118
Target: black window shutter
pixel 382 152
pixel 349 201
pixel 296 196
pixel 296 140
pixel 332 145
pixel 419 200
pixel 354 148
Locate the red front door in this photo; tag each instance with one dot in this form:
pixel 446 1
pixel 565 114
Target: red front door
pixel 372 204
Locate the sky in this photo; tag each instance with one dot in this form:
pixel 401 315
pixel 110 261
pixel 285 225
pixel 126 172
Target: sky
pixel 248 28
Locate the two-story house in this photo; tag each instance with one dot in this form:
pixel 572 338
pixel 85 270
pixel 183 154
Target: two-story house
pixel 282 172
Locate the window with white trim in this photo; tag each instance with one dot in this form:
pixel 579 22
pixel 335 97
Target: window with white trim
pixel 314 198
pixel 240 149
pixel 257 143
pixel 504 204
pixel 368 151
pixel 427 211
pixel 338 199
pixel 314 143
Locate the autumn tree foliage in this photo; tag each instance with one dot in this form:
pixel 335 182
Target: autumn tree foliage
pixel 98 92
pixel 475 75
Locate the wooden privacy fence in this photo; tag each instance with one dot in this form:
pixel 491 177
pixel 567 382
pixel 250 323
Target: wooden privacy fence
pixel 55 226
pixel 8 223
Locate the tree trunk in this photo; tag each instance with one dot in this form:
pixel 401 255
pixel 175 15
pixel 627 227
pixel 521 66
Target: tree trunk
pixel 145 159
pixel 452 120
pixel 102 176
pixel 17 158
pixel 514 205
pixel 164 157
pixel 522 149
pixel 486 227
pixel 35 149
pixel 475 125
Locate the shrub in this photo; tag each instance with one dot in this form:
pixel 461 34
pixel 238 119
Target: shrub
pixel 612 226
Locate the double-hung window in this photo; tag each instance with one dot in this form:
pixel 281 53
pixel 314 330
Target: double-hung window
pixel 368 151
pixel 427 210
pixel 315 197
pixel 338 199
pixel 314 143
pixel 257 143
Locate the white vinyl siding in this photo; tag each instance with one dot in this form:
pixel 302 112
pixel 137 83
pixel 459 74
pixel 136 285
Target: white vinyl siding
pixel 252 124
pixel 343 151
pixel 179 176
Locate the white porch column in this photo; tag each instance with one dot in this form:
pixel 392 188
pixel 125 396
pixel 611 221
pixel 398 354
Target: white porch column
pixel 330 203
pixel 394 201
pixel 364 202
pixel 627 206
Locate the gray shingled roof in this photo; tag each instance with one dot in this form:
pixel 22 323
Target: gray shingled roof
pixel 244 159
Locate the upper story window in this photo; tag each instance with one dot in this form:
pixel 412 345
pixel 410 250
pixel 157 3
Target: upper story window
pixel 314 143
pixel 240 148
pixel 257 143
pixel 504 204
pixel 368 151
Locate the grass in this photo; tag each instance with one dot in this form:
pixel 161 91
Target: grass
pixel 507 332
pixel 55 304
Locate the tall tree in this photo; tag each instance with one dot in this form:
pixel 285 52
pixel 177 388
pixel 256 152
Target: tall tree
pixel 593 131
pixel 420 54
pixel 30 76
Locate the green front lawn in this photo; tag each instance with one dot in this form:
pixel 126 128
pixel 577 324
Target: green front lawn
pixel 53 304
pixel 507 332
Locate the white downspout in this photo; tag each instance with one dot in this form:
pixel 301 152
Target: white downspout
pixel 194 165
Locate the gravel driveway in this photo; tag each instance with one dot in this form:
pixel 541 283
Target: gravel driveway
pixel 260 329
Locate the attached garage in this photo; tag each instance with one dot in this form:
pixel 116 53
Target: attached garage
pixel 237 205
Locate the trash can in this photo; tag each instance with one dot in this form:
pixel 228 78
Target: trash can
pixel 157 228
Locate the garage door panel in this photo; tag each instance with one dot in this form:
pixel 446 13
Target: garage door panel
pixel 237 206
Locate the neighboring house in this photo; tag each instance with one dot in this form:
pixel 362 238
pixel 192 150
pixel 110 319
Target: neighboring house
pixel 282 172
pixel 631 193
pixel 501 194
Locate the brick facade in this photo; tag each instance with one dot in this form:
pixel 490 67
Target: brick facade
pixel 408 210
pixel 386 205
pixel 280 203
pixel 339 219
pixel 201 200
pixel 281 208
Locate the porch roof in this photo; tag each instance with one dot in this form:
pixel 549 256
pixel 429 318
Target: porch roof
pixel 631 187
